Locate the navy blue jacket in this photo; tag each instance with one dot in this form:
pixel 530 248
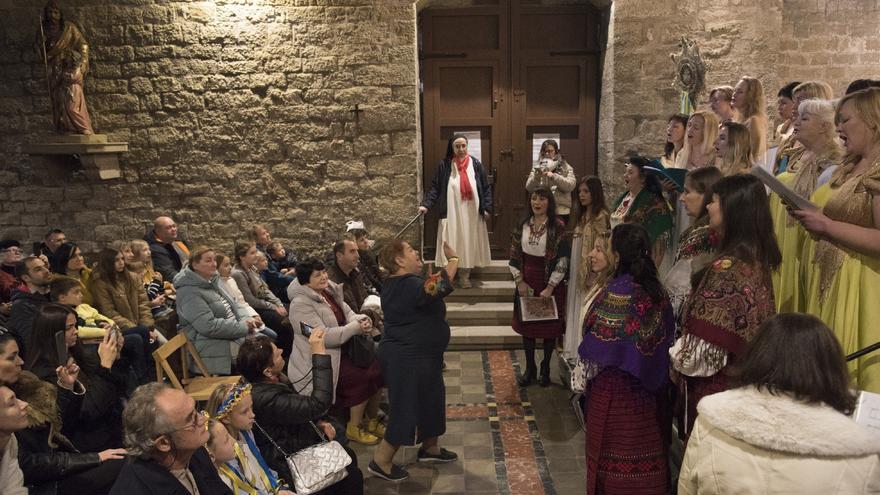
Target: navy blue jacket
pixel 437 193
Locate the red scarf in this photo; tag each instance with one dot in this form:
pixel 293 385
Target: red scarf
pixel 467 192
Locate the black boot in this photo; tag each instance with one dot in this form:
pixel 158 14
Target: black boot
pixel 545 363
pixel 530 373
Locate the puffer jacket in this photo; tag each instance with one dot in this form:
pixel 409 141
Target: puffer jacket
pixel 285 414
pixel 749 441
pixel 126 302
pixel 44 454
pixel 308 307
pixel 204 319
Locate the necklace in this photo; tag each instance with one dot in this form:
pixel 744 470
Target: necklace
pixel 535 234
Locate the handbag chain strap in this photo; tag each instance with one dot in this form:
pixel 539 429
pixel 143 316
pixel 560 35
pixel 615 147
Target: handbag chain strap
pixel 283 452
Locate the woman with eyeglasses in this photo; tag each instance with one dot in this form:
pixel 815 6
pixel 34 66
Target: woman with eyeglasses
pixel 50 462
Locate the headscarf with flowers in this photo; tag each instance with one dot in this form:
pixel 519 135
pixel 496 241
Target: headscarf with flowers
pixel 625 329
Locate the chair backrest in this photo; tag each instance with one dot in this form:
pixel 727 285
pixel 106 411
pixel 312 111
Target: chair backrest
pixel 163 368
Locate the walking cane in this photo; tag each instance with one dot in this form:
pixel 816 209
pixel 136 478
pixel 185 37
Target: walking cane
pixel 408 225
pixel 862 352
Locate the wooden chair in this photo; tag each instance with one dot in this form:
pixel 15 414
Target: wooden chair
pixel 198 387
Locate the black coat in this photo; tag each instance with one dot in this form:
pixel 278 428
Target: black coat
pixel 140 477
pixel 166 258
pixel 25 306
pixel 437 193
pixel 44 465
pixel 285 414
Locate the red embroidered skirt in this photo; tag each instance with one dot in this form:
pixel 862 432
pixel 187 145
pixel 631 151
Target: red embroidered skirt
pixel 691 390
pixel 533 274
pixel 356 385
pixel 628 432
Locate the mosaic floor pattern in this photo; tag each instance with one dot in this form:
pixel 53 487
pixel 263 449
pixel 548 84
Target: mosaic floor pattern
pixel 510 440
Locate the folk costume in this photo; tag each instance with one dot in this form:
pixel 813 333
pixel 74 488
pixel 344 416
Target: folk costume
pixel 719 319
pixel 625 350
pixel 651 212
pixel 580 278
pixel 842 286
pixel 802 176
pixel 539 257
pixel 694 252
pixel 462 194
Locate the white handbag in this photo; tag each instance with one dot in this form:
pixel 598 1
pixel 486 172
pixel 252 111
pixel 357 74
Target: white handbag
pixel 315 467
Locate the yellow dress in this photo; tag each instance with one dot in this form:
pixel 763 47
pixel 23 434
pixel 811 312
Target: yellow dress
pixel 847 298
pixel 790 238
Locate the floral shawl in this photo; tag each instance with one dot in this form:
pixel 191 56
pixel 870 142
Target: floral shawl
pixel 625 329
pixel 556 255
pixel 696 240
pixel 726 308
pixel 653 214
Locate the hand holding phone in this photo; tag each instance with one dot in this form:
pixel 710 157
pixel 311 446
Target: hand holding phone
pixel 61 348
pixel 306 329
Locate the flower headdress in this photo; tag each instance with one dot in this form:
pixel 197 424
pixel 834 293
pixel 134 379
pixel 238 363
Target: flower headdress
pixel 232 399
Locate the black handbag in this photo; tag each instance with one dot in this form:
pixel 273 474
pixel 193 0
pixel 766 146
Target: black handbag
pixel 361 350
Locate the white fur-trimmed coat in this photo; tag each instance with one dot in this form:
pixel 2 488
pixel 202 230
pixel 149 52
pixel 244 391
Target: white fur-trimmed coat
pixel 747 441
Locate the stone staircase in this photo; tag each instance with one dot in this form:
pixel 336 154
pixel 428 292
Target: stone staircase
pixel 480 316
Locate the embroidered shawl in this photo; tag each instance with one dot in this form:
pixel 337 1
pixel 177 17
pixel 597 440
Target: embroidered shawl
pixel 556 254
pixel 651 212
pixel 625 329
pixel 696 240
pixel 726 308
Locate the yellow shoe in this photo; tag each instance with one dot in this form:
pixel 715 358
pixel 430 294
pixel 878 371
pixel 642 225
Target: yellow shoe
pixel 376 427
pixel 359 435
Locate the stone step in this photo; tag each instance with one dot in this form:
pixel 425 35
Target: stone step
pixel 484 337
pixel 479 314
pixel 484 291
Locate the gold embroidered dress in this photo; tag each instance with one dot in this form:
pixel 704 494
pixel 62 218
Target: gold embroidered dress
pixel 842 286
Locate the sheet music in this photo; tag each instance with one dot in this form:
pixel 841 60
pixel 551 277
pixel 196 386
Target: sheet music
pixel 867 411
pixel 537 141
pixel 789 197
pixel 475 144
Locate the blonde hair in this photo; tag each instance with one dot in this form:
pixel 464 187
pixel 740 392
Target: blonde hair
pixel 813 90
pixel 739 150
pixel 866 104
pixel 198 253
pixel 138 264
pixel 726 91
pixel 710 133
pixel 603 243
pixel 824 111
pixel 756 104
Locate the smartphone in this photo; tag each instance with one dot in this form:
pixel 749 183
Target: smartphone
pixel 61 348
pixel 114 333
pixel 305 329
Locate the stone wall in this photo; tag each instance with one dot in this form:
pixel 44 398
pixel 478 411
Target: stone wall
pixel 776 41
pixel 235 111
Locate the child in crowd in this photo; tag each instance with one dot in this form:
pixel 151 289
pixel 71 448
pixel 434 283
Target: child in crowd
pixel 224 270
pixel 91 324
pixel 246 472
pixel 285 263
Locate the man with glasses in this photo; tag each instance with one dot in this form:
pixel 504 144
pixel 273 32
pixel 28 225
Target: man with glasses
pixel 10 255
pixel 51 242
pixel 35 274
pixel 166 435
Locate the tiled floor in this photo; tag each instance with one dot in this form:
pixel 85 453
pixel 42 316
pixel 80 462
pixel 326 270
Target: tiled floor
pixel 510 441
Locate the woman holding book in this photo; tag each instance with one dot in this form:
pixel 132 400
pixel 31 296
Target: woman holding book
pixel 841 271
pixel 539 251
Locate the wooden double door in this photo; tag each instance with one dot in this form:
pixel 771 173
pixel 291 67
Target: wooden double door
pixel 509 75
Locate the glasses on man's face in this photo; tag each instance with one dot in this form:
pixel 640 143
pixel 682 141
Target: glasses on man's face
pixel 13 251
pixel 192 421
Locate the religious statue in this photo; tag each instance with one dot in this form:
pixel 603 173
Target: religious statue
pixel 690 72
pixel 65 55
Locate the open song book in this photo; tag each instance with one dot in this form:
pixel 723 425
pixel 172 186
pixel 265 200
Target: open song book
pixel 790 198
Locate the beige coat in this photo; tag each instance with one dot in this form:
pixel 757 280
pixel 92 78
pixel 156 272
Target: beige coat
pixel 751 442
pixel 126 302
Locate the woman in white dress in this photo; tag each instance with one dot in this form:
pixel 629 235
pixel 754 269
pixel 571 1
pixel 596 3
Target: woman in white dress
pixel 463 197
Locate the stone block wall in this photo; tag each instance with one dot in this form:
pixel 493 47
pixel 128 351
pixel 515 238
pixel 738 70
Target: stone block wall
pixel 236 112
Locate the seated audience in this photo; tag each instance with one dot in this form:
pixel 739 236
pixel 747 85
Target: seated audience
pixel 212 320
pixel 285 413
pixel 69 261
pixel 369 263
pixel 36 276
pixel 120 295
pixel 51 464
pixel 732 294
pixel 276 281
pixel 98 425
pixel 317 302
pixel 750 105
pixel 169 253
pixel 231 406
pixel 159 293
pixel 13 418
pixel 10 255
pixel 51 242
pixel 786 428
pixel 720 98
pixel 262 239
pixel 257 294
pixel 627 335
pixel 166 436
pixel 224 269
pixel 91 324
pixel 277 254
pixel 344 271
pixel 733 149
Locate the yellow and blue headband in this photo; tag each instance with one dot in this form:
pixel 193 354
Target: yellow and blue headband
pixel 232 399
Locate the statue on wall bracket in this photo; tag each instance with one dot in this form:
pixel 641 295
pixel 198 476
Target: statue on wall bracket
pixel 65 55
pixel 690 74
